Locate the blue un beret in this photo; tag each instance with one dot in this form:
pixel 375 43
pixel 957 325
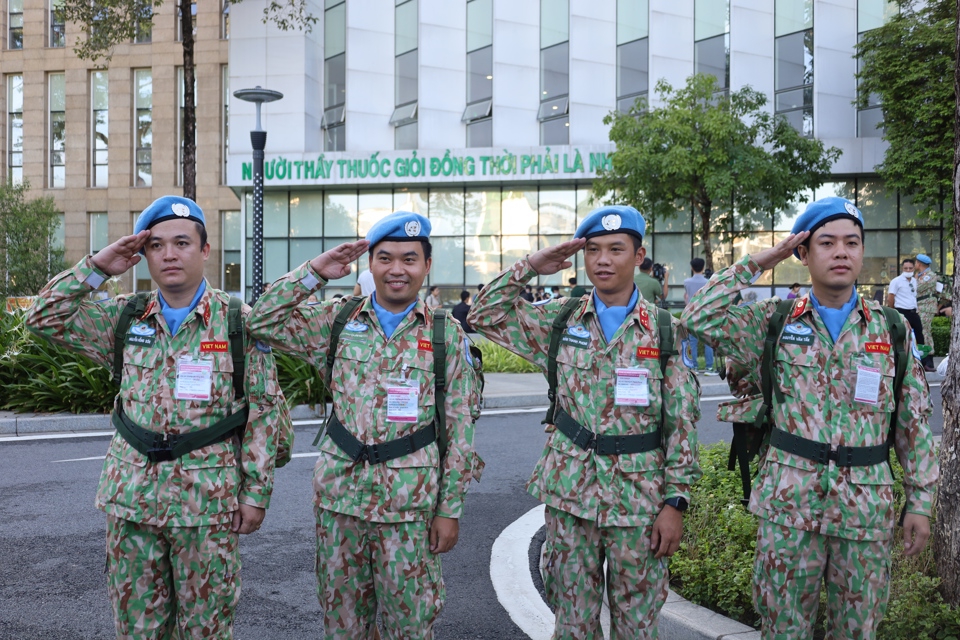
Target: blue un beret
pixel 612 219
pixel 400 226
pixel 824 210
pixel 168 208
pixel 924 258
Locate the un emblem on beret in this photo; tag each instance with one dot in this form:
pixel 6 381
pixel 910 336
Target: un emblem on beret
pixel 412 228
pixel 611 222
pixel 852 210
pixel 181 210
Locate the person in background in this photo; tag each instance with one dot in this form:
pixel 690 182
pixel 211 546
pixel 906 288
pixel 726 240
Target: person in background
pixel 902 296
pixel 650 288
pixel 365 285
pixel 461 310
pixel 527 293
pixel 577 290
pixel 690 286
pixel 541 295
pixel 555 293
pixel 794 291
pixel 433 298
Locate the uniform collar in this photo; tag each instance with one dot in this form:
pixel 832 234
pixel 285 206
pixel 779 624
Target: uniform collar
pixel 640 315
pixel 419 311
pixel 202 310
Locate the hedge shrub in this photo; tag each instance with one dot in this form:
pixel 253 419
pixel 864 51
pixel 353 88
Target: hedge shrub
pixel 714 566
pixel 940 327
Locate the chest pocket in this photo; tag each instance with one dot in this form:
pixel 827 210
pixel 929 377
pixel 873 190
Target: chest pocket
pixel 351 361
pixel 796 369
pixel 141 372
pixel 886 365
pixel 574 371
pixel 416 369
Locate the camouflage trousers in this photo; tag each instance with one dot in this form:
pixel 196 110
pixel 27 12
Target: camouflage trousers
pixel 789 568
pixel 927 309
pixel 165 579
pixel 362 565
pixel 573 577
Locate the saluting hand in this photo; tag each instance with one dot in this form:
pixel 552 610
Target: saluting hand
pixel 554 259
pixel 769 258
pixel 335 263
pixel 122 254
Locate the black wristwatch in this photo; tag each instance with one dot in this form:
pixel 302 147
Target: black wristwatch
pixel 680 504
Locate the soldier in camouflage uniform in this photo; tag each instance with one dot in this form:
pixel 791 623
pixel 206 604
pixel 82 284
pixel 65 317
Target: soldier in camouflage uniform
pixel 929 288
pixel 620 504
pixel 382 521
pixel 830 519
pixel 172 550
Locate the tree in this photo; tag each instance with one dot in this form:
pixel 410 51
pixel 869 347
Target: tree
pixel 28 257
pixel 723 157
pixel 107 23
pixel 908 65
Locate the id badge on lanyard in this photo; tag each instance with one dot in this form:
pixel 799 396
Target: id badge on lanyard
pixel 403 399
pixel 194 379
pixel 633 387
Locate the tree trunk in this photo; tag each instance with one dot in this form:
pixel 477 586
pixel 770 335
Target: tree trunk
pixel 189 104
pixel 704 207
pixel 946 531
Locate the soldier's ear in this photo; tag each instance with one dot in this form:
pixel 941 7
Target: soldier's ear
pixel 803 250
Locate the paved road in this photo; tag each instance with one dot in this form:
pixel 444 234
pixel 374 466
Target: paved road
pixel 51 539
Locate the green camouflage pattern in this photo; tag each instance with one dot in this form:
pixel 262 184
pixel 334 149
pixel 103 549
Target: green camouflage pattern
pixel 927 308
pixel 363 565
pixel 791 564
pixel 625 490
pixel 818 379
pixel 574 554
pixel 416 486
pixel 201 488
pixel 172 582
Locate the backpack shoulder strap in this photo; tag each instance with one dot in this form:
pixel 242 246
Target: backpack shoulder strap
pixel 667 349
pixel 898 336
pixel 343 317
pixel 133 309
pixel 440 379
pixel 767 373
pixel 235 332
pixel 556 332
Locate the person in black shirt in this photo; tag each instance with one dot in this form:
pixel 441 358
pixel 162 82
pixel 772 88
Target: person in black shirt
pixel 461 310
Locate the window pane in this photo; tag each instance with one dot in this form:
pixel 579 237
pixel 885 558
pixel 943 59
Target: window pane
pixel 793 15
pixel 477 110
pixel 481 259
pixel 561 277
pixel 480 75
pixel 520 213
pixel 405 137
pixel 99 232
pixel 482 213
pixel 554 71
pixel 909 215
pixel 632 20
pixel 58 101
pixel 632 63
pixel 349 280
pixel 870 123
pixel 554 22
pixel 787 100
pixel 794 65
pixel 917 241
pixel 275 262
pixel 98 86
pixel 713 57
pixel 231 231
pixel 447 261
pixel 558 211
pixel 275 215
pixel 843 189
pixel 15 94
pixel 789 215
pixel 335 138
pixel 512 248
pixel 555 131
pixel 340 214
pixel 479 24
pixel 801 120
pixel 874 13
pixel 880 262
pixel 231 272
pixel 335 31
pixel 373 208
pixel 406 27
pixel 306 215
pixel 878 204
pixel 304 250
pixel 144 88
pixel 446 211
pixel 712 18
pixel 480 133
pixel 673 251
pixel 406 78
pixel 335 86
pixel 407 200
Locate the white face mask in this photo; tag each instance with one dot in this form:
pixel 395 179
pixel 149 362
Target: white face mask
pixel 908 274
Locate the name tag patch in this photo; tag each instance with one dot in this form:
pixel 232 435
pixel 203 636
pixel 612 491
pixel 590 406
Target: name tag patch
pixel 576 336
pixel 797 333
pixel 214 346
pixel 142 335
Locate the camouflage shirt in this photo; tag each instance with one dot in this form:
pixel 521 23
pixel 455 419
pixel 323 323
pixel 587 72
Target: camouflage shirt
pixel 413 487
pixel 927 295
pixel 625 490
pixel 204 486
pixel 819 380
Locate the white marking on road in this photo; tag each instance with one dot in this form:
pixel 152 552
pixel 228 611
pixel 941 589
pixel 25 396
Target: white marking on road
pixel 81 459
pixel 309 454
pixel 56 436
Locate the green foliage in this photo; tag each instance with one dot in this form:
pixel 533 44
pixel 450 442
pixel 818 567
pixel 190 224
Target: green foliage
pixel 301 382
pixel 940 327
pixel 908 64
pixel 28 228
pixel 496 359
pixel 720 156
pixel 714 566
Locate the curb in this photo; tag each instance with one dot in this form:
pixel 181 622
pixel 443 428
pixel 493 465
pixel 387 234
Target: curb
pixel 681 619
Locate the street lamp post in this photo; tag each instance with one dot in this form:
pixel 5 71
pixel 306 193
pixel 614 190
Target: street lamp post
pixel 258 138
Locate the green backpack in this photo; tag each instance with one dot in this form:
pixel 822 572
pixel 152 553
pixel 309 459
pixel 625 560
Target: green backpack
pixel 749 438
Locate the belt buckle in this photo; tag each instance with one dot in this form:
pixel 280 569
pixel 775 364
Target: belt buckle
pixel 161 451
pixel 372 453
pixel 591 444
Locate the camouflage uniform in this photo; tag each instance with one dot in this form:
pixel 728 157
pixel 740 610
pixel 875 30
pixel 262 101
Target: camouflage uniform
pixel 373 519
pixel 927 302
pixel 600 508
pixel 821 522
pixel 171 557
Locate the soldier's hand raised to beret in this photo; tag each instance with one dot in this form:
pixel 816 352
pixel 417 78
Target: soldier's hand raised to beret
pixel 335 263
pixel 553 259
pixel 122 254
pixel 769 258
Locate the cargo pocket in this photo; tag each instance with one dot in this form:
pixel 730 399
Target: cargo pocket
pixel 412 481
pixel 124 480
pixel 643 482
pixel 210 481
